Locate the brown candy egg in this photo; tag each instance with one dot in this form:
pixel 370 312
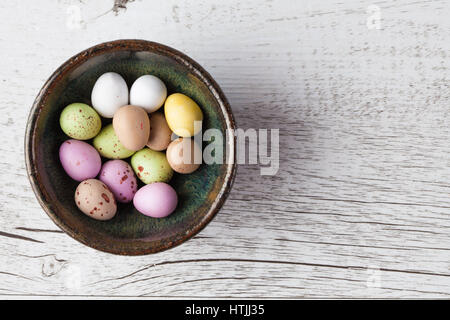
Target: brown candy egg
pixel 160 134
pixel 132 127
pixel 95 200
pixel 180 160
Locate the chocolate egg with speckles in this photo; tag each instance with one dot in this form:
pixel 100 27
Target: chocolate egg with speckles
pixel 132 127
pixel 95 200
pixel 160 134
pixel 151 166
pixel 120 179
pixel 109 146
pixel 80 121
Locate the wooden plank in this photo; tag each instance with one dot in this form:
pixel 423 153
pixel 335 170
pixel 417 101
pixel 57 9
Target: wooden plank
pixel 359 207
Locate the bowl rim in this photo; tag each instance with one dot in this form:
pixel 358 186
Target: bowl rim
pixel 30 150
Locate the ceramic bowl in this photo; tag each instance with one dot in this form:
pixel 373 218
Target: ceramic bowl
pixel 201 194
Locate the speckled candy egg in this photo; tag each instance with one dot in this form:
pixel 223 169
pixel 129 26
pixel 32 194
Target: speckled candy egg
pixel 157 200
pixel 80 121
pixel 109 146
pixel 181 113
pixel 148 92
pixel 160 133
pixel 110 92
pixel 132 127
pixel 120 179
pixel 95 200
pixel 184 155
pixel 151 166
pixel 79 159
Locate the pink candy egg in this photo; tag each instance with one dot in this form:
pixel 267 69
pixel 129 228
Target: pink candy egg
pixel 156 200
pixel 79 159
pixel 120 179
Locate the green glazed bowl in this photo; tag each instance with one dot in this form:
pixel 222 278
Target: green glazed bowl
pixel 201 194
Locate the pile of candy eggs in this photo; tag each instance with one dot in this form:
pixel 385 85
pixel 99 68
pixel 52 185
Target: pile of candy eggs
pixel 138 144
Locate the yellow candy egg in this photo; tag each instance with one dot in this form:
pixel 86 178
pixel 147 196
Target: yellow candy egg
pixel 181 112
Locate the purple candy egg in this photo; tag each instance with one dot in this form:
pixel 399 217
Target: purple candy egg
pixel 79 159
pixel 120 179
pixel 156 200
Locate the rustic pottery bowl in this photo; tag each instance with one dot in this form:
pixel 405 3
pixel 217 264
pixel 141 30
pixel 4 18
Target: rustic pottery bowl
pixel 201 194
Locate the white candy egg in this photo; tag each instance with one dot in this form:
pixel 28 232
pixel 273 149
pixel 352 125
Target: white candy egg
pixel 110 92
pixel 148 92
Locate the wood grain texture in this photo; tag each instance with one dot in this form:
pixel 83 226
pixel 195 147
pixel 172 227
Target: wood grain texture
pixel 359 207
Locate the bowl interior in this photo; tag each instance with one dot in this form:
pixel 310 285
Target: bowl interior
pixel 129 232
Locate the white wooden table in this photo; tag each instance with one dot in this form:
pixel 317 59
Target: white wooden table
pixel 360 206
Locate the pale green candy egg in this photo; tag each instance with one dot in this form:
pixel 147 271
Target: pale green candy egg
pixel 80 121
pixel 109 146
pixel 151 166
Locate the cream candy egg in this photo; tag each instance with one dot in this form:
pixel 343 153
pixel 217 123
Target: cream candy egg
pixel 95 200
pixel 110 92
pixel 148 92
pixel 184 155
